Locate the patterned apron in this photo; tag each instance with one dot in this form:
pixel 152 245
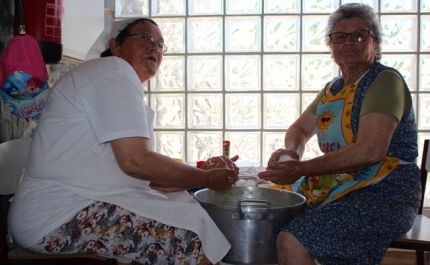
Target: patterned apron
pixel 334 131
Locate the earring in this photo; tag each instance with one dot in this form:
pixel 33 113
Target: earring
pixel 377 56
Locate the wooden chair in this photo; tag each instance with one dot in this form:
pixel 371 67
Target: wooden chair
pixel 418 238
pixel 13 157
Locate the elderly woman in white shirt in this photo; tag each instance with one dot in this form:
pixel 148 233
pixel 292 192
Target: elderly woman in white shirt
pixel 93 183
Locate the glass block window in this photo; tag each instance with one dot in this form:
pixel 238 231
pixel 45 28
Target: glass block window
pixel 244 70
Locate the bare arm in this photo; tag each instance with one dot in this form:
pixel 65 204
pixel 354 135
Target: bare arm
pixel 374 137
pixel 135 159
pixel 296 137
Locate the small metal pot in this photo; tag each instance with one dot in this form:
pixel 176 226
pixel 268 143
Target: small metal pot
pixel 248 217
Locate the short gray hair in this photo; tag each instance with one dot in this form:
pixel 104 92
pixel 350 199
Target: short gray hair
pixel 351 10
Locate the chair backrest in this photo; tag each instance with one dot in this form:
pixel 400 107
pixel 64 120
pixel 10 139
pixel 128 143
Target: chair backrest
pixel 425 165
pixel 13 157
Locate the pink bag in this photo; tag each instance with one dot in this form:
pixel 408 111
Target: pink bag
pixel 23 77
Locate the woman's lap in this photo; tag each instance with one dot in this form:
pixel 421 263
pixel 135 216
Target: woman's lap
pixel 106 228
pixel 357 228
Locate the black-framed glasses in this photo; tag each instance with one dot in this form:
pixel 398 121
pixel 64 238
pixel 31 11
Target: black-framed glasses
pixel 149 40
pixel 359 35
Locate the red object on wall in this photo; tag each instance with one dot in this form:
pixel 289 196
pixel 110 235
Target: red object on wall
pixel 43 20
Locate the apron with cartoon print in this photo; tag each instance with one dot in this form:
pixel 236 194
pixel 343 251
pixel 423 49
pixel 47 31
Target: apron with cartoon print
pixel 334 130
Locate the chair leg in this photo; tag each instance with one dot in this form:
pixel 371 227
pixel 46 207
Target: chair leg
pixel 420 257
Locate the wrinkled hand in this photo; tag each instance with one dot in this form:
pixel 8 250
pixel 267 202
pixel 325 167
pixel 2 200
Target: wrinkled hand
pixel 221 178
pixel 221 162
pixel 283 155
pixel 221 170
pixel 282 173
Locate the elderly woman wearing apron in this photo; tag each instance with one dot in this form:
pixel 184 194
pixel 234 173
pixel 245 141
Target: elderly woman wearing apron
pixel 365 190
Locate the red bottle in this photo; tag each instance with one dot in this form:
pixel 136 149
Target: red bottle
pixel 226 148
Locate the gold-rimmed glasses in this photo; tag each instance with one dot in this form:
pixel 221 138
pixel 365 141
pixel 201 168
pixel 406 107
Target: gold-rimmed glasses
pixel 149 40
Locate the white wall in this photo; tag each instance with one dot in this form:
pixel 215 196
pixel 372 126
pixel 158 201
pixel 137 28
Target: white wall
pixel 83 21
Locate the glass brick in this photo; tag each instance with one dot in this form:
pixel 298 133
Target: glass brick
pixel 205 111
pixel 128 9
pixel 243 6
pixel 399 33
pixel 169 110
pixel 282 6
pixel 242 34
pixel 168 7
pixel 203 145
pixel 173 33
pixel 405 64
pixel 398 6
pixel 425 7
pixel 317 70
pixel 205 73
pixel 319 6
pixel 313 35
pixel 280 110
pixel 424 73
pixel 205 34
pixel 145 86
pixel 414 104
pixel 312 149
pixel 307 99
pixel 281 33
pixel 372 3
pixel 281 72
pixel 272 141
pixel 170 75
pixel 170 144
pixel 425 38
pixel 242 111
pixel 424 111
pixel 246 145
pixel 242 73
pixel 205 7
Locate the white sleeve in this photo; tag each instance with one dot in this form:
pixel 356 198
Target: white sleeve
pixel 115 106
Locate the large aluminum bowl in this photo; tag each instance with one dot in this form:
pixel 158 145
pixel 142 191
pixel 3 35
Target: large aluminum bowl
pixel 248 217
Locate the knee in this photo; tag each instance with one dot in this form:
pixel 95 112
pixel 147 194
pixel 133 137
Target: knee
pixel 283 243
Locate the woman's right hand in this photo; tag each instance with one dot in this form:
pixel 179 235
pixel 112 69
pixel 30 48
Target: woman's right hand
pixel 221 162
pixel 281 155
pixel 221 178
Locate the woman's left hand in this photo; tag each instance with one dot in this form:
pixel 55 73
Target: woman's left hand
pixel 221 162
pixel 282 173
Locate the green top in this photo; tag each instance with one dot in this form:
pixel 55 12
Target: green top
pixel 396 102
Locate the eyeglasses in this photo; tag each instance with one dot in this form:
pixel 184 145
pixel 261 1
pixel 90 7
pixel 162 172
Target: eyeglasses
pixel 147 39
pixel 357 36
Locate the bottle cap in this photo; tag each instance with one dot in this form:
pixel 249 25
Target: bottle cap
pixel 200 163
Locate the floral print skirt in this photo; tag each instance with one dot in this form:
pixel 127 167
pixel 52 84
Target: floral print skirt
pixel 104 228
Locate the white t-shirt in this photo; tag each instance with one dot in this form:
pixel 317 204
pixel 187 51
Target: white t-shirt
pixel 71 163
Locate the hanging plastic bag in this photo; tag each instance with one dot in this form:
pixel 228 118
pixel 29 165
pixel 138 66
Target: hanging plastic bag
pixel 23 79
